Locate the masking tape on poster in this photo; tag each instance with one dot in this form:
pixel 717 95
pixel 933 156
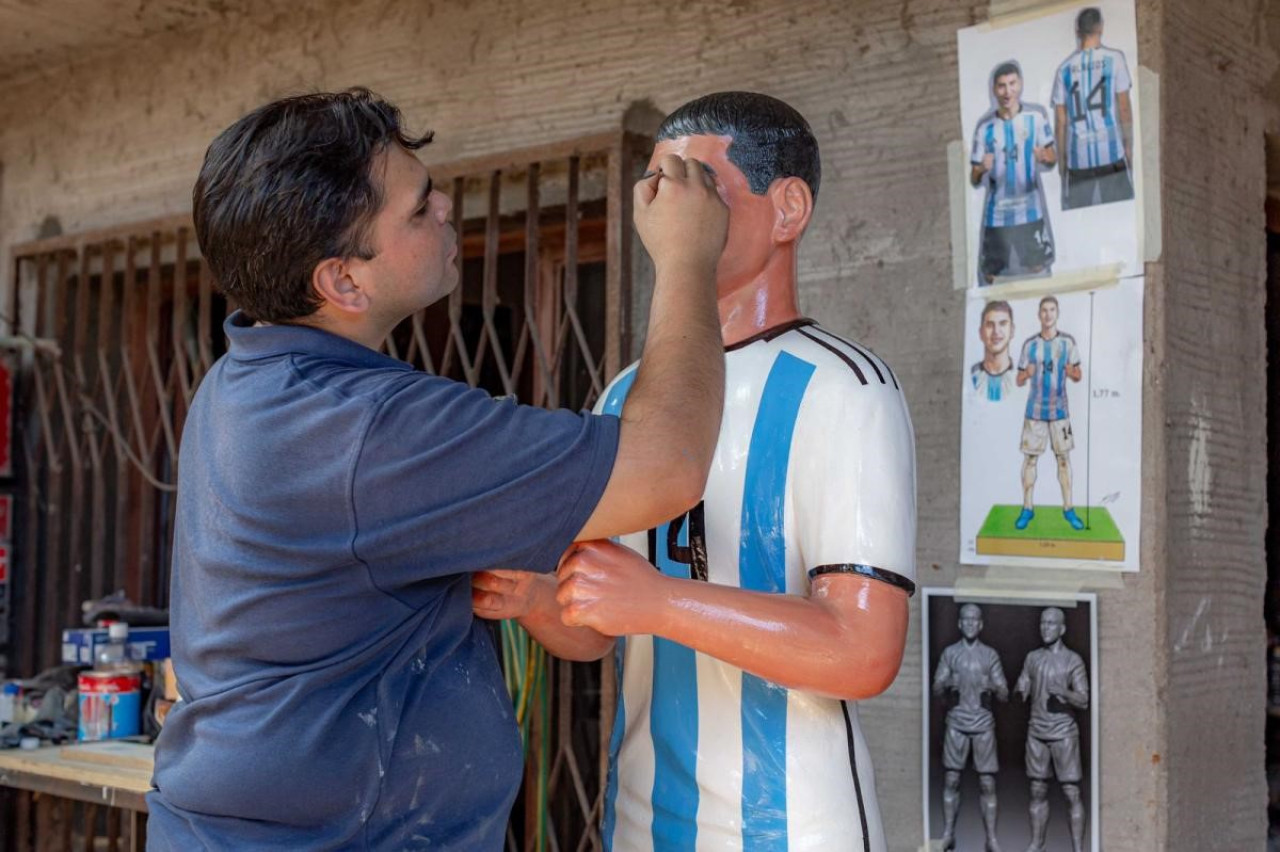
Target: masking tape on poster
pixel 958 184
pixel 1032 585
pixel 1007 13
pixel 1093 278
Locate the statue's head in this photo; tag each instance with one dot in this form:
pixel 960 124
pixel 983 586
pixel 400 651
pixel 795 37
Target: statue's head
pixel 1053 624
pixel 970 621
pixel 766 167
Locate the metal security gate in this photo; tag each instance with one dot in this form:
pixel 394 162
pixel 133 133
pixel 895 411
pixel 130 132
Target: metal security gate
pixel 114 330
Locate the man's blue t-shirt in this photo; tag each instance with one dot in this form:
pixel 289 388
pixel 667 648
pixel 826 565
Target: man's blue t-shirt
pixel 338 692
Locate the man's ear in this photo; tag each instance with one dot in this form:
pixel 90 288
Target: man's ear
pixel 793 207
pixel 333 282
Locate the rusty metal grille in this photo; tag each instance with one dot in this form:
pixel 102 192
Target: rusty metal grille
pixel 114 331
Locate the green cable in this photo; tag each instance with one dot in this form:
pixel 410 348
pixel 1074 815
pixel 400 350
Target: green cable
pixel 526 670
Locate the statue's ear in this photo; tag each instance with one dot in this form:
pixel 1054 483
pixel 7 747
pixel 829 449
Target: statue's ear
pixel 793 206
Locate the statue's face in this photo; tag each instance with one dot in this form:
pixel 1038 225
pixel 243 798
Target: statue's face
pixel 1052 626
pixel 751 216
pixel 970 622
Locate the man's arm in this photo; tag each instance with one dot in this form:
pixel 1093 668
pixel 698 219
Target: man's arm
pixel 1060 133
pixel 844 640
pixel 1125 108
pixel 671 419
pixel 1023 686
pixel 531 599
pixel 980 160
pixel 1046 151
pixel 998 684
pixel 980 168
pixel 942 677
pixel 1078 693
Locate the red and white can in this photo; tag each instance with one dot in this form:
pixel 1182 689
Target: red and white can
pixel 110 705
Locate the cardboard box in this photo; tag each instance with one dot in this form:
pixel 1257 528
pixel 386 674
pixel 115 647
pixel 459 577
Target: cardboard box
pixel 80 647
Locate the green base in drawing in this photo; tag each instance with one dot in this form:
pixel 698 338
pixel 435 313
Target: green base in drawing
pixel 1050 536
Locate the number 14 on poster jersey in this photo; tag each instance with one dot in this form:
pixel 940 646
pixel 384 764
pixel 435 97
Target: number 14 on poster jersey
pixel 1088 85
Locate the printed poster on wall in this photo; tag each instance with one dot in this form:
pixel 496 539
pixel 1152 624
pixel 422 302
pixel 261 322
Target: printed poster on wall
pixel 1010 736
pixel 1049 108
pixel 1051 434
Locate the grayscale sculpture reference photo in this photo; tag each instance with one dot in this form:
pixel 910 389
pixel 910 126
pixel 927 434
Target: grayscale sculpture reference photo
pixel 988 746
pixel 968 677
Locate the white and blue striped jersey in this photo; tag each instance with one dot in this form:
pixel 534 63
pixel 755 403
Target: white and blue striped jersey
pixel 814 472
pixel 1013 184
pixel 1088 85
pixel 992 388
pixel 1047 384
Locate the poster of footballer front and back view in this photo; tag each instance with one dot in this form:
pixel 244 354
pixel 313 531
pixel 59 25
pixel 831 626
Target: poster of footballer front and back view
pixel 1052 373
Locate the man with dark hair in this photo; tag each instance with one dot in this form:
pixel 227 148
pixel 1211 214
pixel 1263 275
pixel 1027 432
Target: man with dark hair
pixel 1011 146
pixel 781 599
pixel 992 377
pixel 1049 359
pixel 337 692
pixel 1093 119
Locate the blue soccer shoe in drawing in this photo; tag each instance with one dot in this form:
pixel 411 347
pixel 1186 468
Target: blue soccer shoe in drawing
pixel 1024 519
pixel 1073 519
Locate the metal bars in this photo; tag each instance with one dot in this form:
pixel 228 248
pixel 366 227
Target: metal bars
pixel 115 334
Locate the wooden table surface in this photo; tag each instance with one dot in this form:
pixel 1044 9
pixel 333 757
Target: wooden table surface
pixel 117 774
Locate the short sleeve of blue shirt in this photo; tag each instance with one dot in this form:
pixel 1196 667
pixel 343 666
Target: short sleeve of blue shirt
pixel 451 480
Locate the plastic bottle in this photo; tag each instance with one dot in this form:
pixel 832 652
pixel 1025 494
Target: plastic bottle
pixel 114 655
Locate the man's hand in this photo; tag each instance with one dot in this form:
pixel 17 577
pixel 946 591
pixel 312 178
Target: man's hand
pixel 1045 155
pixel 503 594
pixel 611 589
pixel 680 217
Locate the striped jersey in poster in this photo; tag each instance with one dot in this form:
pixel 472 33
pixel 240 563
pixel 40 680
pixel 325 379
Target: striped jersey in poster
pixel 1047 384
pixel 992 388
pixel 1014 194
pixel 1087 85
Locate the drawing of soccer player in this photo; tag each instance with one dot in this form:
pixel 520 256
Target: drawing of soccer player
pixel 1093 120
pixel 970 671
pixel 1048 359
pixel 1011 146
pixel 1055 681
pixel 992 378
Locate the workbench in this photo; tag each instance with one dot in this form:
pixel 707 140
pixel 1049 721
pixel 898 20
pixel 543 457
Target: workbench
pixel 114 774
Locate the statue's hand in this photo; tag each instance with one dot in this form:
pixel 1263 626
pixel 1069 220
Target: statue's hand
pixel 611 589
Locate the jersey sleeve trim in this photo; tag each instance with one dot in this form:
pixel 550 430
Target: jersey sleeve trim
pixel 896 580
